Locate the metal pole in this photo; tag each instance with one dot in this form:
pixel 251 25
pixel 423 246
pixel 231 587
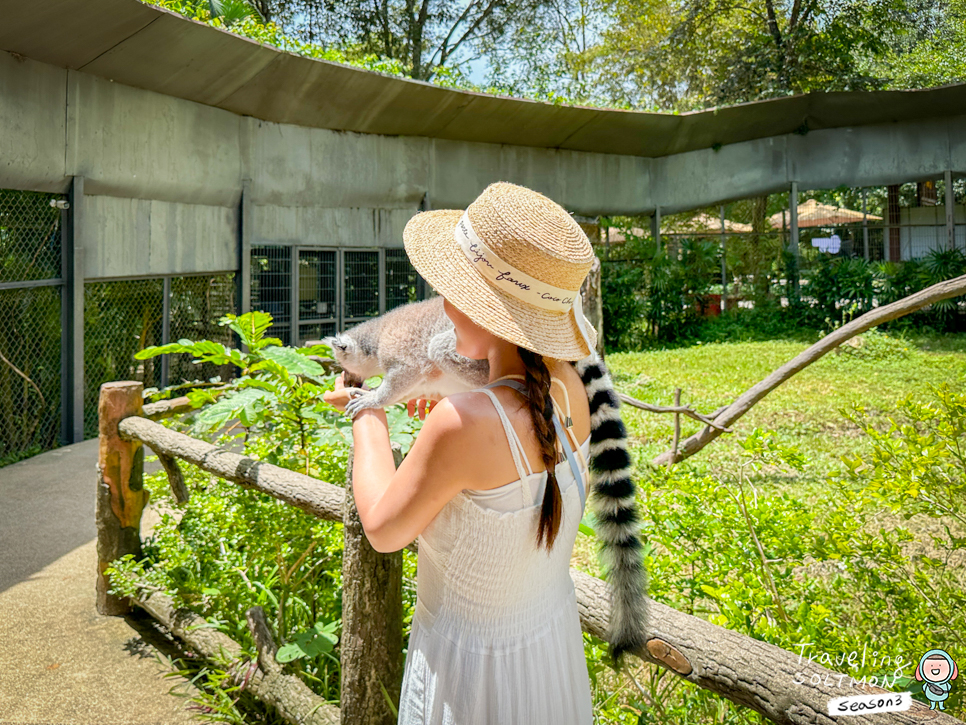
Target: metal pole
pixel 793 234
pixel 423 290
pixel 66 259
pixel 381 287
pixel 865 225
pixel 73 317
pixel 294 300
pixel 950 209
pixel 244 282
pixel 165 329
pixel 656 230
pixel 724 270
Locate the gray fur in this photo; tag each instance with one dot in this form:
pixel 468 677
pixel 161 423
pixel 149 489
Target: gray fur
pixel 414 348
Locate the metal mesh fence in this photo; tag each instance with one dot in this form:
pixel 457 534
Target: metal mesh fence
pixel 402 281
pixel 318 294
pixel 272 288
pixel 361 285
pixel 29 236
pixel 30 323
pixel 197 303
pixel 120 318
pixel 29 371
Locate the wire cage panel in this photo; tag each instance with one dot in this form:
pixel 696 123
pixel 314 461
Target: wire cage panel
pixel 402 281
pixel 30 236
pixel 272 287
pixel 196 304
pixel 334 288
pixel 30 371
pixel 318 291
pixel 361 285
pixel 316 331
pixel 120 319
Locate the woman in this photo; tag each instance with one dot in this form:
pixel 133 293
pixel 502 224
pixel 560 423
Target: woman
pixel 496 635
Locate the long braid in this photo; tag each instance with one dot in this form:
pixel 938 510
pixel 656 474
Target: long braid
pixel 537 381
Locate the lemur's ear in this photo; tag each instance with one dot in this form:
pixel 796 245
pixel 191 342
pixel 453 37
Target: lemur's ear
pixel 335 343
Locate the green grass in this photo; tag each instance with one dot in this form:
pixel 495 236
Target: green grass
pixel 805 410
pixel 799 507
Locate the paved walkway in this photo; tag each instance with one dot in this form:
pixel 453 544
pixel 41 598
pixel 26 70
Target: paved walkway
pixel 60 661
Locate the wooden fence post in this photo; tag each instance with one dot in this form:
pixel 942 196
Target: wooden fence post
pixel 371 645
pixel 120 488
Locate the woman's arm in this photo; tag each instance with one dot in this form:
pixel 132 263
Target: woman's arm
pixel 396 505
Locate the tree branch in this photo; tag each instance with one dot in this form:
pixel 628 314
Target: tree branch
pixel 21 373
pixel 941 291
pixel 773 23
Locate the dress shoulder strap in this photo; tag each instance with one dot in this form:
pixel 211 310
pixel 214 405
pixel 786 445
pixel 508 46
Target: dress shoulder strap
pixel 516 448
pixel 561 435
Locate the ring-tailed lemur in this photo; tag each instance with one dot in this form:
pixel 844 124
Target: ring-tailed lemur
pixel 414 347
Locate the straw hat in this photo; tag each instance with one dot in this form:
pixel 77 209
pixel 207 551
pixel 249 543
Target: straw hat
pixel 513 262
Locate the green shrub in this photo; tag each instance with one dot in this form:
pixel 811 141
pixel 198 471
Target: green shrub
pixel 827 576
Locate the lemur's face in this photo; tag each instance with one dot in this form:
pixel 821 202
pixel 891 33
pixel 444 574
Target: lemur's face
pixel 350 357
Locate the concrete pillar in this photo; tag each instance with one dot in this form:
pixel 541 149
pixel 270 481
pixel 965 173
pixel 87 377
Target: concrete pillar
pixel 724 266
pixel 793 237
pixel 894 246
pixel 165 329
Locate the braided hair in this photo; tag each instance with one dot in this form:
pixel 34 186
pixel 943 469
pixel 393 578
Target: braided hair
pixel 537 382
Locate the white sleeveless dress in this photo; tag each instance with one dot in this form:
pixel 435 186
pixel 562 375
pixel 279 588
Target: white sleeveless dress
pixel 496 636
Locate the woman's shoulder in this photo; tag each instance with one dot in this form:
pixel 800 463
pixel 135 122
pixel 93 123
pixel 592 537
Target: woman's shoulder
pixel 457 418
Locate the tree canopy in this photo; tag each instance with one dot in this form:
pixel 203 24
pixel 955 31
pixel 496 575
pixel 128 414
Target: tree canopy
pixel 668 55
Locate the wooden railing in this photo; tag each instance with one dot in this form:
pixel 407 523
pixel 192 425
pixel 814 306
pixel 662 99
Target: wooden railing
pixel 780 685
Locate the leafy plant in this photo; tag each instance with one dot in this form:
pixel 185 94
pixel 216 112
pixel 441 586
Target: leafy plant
pixel 278 394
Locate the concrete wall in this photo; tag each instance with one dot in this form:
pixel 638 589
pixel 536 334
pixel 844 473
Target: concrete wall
pixel 163 175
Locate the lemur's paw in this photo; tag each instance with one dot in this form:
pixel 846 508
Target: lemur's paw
pixel 360 401
pixel 355 392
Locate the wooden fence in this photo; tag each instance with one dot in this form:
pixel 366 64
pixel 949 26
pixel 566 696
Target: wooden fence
pixel 778 684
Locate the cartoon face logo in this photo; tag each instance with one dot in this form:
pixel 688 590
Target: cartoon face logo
pixel 936 671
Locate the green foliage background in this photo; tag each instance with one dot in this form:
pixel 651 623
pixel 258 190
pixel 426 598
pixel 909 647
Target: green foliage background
pixel 824 550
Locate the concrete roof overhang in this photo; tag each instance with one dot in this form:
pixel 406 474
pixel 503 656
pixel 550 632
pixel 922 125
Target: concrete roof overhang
pixel 143 46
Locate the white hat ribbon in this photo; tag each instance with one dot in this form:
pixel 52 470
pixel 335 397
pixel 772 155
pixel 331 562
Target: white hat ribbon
pixel 517 283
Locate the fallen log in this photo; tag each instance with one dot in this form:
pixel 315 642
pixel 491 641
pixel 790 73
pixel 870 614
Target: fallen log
pixel 778 684
pixel 293 699
pixel 311 495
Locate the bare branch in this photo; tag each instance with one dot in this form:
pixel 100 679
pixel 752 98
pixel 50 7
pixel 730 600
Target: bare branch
pixel 22 374
pixel 941 291
pixel 683 409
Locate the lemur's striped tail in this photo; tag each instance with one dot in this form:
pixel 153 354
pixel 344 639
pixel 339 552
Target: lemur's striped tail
pixel 614 504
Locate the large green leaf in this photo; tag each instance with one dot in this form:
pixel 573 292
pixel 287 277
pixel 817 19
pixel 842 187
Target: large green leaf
pixel 294 363
pixel 251 327
pixel 320 639
pixel 245 405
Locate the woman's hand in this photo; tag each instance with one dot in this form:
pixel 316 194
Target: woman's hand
pixel 341 395
pixel 420 406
